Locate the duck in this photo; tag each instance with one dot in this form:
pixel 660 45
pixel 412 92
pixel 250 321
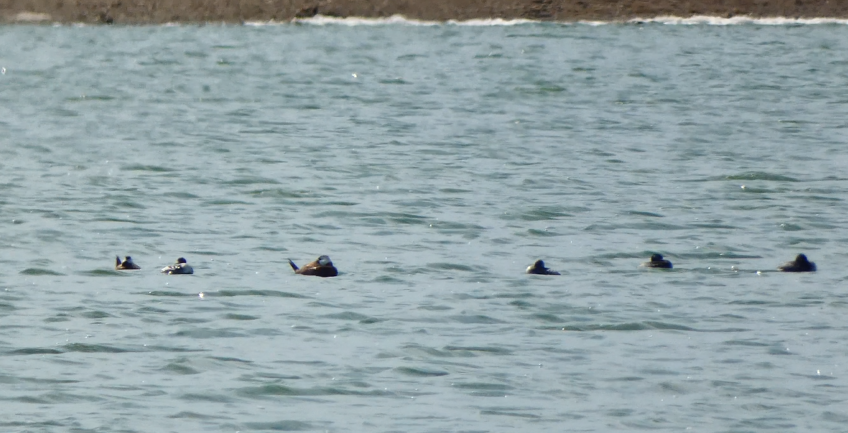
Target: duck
pixel 180 268
pixel 539 268
pixel 126 265
pixel 322 267
pixel 657 261
pixel 800 264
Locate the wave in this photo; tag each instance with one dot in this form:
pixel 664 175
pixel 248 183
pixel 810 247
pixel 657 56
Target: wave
pixel 737 20
pixel 322 20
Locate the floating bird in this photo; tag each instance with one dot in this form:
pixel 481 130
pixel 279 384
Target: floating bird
pixel 322 267
pixel 657 261
pixel 126 265
pixel 800 264
pixel 539 268
pixel 180 268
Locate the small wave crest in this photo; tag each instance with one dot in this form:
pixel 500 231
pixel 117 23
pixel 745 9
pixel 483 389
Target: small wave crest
pixel 489 22
pixel 736 20
pixel 323 20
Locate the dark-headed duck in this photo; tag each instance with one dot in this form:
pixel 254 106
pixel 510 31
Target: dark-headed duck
pixel 180 268
pixel 657 261
pixel 126 265
pixel 800 264
pixel 322 267
pixel 539 268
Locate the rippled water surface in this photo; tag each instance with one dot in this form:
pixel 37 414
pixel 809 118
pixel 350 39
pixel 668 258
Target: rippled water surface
pixel 433 164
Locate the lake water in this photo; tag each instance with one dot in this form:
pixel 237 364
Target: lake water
pixel 433 164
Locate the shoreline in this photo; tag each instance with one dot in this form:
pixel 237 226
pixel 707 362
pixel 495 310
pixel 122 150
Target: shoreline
pixel 140 12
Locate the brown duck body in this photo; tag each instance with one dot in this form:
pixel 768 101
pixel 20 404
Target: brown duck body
pixel 538 268
pixel 800 264
pixel 657 261
pixel 126 265
pixel 322 267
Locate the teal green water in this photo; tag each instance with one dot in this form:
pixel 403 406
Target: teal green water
pixel 433 164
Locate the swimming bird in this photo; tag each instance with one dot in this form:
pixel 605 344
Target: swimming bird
pixel 539 268
pixel 322 267
pixel 800 264
pixel 126 265
pixel 657 261
pixel 180 268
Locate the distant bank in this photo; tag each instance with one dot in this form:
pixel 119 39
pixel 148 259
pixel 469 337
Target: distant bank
pixel 235 11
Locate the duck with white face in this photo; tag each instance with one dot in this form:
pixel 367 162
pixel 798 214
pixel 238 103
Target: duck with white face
pixel 657 261
pixel 539 268
pixel 322 267
pixel 800 264
pixel 126 265
pixel 180 268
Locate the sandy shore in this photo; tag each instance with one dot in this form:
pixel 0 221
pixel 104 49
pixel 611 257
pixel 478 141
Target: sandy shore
pixel 235 11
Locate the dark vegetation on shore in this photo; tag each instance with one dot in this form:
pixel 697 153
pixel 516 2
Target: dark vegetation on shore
pixel 235 11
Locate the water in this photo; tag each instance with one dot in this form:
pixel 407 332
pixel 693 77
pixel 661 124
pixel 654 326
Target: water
pixel 433 164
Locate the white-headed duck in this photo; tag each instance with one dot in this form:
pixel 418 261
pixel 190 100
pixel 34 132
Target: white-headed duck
pixel 322 267
pixel 657 261
pixel 539 268
pixel 800 264
pixel 126 265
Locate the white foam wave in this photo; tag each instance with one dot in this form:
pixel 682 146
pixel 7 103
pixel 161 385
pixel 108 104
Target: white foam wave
pixel 493 22
pixel 322 20
pixel 32 17
pixel 736 20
